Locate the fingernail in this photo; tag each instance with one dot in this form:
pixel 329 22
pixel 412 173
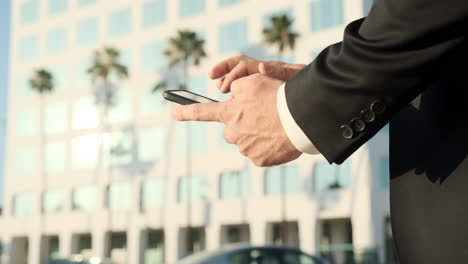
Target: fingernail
pixel 265 67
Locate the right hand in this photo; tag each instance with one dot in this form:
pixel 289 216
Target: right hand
pixel 241 66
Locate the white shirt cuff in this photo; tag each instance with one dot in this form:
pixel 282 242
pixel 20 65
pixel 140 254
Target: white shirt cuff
pixel 292 129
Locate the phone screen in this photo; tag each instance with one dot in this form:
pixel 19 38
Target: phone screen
pixel 194 97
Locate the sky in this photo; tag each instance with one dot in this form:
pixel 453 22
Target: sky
pixel 5 10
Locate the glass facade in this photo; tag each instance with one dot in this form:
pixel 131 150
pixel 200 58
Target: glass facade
pixel 26 123
pixel 84 151
pixel 225 3
pixel 333 176
pixel 120 23
pixel 84 198
pixel 85 113
pixel 151 144
pixel 28 48
pixel 326 14
pixel 87 32
pixel 198 137
pixel 385 172
pixel 122 109
pixel 23 89
pixel 235 184
pixel 57 7
pixel 59 72
pixel 57 41
pixel 282 179
pixel 120 148
pixel 233 37
pixel 191 7
pixel 119 196
pixel 55 157
pixel 152 193
pixel 25 156
pixel 154 13
pixel 152 56
pixel 82 77
pixel 53 201
pixel 29 12
pixel 55 118
pixel 193 188
pixel 82 3
pixel 23 204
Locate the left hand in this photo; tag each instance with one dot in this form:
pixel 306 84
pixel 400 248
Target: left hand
pixel 251 119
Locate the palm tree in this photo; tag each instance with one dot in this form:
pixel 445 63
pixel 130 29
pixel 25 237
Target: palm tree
pixel 105 63
pixel 42 83
pixel 185 49
pixel 280 33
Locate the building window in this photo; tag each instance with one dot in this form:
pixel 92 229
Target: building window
pixel 122 108
pixel 119 150
pixel 25 156
pixel 225 3
pixel 55 157
pixel 154 13
pixel 55 120
pixel 23 204
pixel 28 49
pixel 326 14
pixel 198 140
pixel 191 7
pixel 233 37
pixel 282 179
pixel 235 184
pixel 367 4
pixel 84 198
pixel 192 188
pixel 152 102
pixel 87 32
pixel 29 12
pixel 152 144
pixel 82 76
pixel 120 23
pixel 82 3
pixel 119 196
pixel 52 201
pixel 23 86
pixel 152 193
pixel 84 151
pixel 328 177
pixel 26 123
pixel 152 56
pixel 85 114
pixel 59 73
pixel 57 41
pixel 385 172
pixel 57 7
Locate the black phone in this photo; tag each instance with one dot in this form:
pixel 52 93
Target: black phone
pixel 185 97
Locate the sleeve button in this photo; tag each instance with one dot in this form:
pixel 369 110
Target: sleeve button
pixel 347 132
pixel 358 124
pixel 367 115
pixel 378 107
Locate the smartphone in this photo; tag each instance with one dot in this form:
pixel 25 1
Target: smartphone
pixel 185 97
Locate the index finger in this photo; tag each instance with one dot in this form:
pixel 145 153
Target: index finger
pixel 224 67
pixel 210 112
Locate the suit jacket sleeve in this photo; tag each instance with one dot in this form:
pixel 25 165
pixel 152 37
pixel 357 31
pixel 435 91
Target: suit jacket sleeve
pixel 354 87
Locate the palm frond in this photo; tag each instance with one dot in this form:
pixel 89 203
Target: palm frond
pixel 42 81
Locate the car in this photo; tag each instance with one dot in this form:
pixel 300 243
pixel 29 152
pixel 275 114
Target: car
pixel 246 254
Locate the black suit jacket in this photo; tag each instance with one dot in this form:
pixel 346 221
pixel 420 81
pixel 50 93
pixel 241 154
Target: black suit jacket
pixel 407 62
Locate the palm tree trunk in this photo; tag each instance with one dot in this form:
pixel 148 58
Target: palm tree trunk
pixel 43 169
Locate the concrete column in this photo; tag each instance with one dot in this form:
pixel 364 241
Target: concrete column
pixel 99 243
pixel 34 248
pixel 212 236
pixel 65 244
pixel 307 235
pixel 133 245
pixel 171 244
pixel 257 233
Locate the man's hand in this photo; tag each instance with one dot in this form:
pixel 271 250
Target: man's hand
pixel 240 66
pixel 251 119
